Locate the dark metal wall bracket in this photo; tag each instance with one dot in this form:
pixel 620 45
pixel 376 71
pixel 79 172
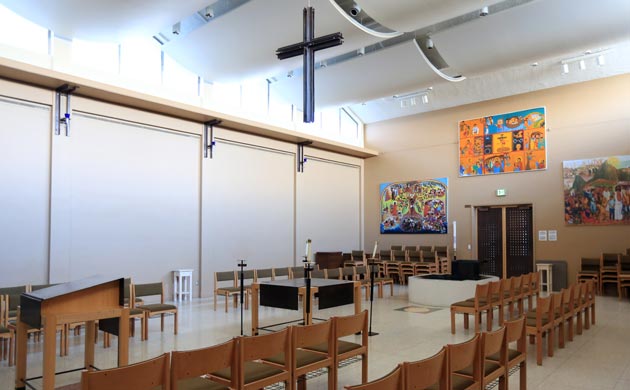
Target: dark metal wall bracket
pixel 208 137
pixel 300 155
pixel 67 91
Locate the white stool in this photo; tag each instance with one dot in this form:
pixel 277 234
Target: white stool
pixel 182 284
pixel 546 278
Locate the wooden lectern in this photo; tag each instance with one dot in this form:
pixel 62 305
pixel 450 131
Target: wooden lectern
pixel 86 300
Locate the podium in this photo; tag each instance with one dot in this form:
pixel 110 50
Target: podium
pixel 88 300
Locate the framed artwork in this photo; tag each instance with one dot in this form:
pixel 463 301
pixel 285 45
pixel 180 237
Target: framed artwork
pixel 597 191
pixel 504 143
pixel 414 207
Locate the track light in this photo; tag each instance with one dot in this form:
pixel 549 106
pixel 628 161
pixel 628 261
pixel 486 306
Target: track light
pixel 582 65
pixel 361 52
pixel 429 43
pixel 565 68
pixel 412 99
pixel 601 60
pixel 177 28
pixel 484 11
pixel 425 99
pixel 208 13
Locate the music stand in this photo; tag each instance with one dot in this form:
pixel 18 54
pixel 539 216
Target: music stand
pixel 372 266
pixel 241 265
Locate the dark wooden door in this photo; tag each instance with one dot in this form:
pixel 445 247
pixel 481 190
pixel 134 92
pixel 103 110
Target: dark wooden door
pixel 490 240
pixel 519 243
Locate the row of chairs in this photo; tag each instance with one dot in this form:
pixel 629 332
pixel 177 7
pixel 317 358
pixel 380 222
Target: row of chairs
pixel 422 253
pixel 609 268
pixel 227 283
pixel 473 364
pixel 247 362
pixel 508 293
pixel 555 310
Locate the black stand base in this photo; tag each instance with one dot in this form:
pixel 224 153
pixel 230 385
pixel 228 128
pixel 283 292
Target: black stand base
pixel 372 333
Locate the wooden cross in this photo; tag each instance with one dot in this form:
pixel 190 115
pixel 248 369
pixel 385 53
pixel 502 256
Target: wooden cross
pixel 307 48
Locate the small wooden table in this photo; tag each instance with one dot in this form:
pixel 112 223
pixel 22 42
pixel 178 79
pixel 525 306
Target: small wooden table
pixel 284 294
pixel 87 300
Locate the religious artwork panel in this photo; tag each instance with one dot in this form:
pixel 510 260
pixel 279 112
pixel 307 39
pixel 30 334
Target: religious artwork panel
pixel 504 143
pixel 597 191
pixel 414 207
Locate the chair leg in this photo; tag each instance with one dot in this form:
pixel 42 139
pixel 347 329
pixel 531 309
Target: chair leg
pixel 175 324
pixel 550 337
pixel 452 322
pixel 466 321
pixel 162 322
pixel 539 350
pixel 477 319
pixel 215 301
pixel 364 368
pixel 489 319
pixel 501 315
pixel 523 376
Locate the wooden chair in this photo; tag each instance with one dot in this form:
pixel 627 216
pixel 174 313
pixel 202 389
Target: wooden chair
pixel 361 273
pixel 281 273
pixel 391 381
pixel 535 289
pixel 460 357
pixel 13 294
pixel 134 312
pixel 385 255
pixel 514 333
pixel 265 274
pixel 589 269
pixel 526 290
pixel 396 247
pixel 518 295
pixel 479 304
pixel 7 335
pixel 154 309
pixel 623 275
pixel 146 375
pixel 559 316
pixel 392 270
pixel 608 270
pixel 496 300
pixel 252 372
pixel 408 248
pixel 231 290
pixel 190 369
pixel 427 373
pixel 249 277
pixel 358 257
pixel 508 296
pixel 577 292
pixel 542 324
pixel 443 259
pixel 303 360
pixel 589 298
pixel 492 344
pixel 343 327
pixel 348 273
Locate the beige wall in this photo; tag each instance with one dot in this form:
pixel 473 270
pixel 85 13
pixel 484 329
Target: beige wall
pixel 584 120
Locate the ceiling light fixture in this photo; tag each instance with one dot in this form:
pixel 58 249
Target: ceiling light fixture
pixel 411 99
pixel 484 11
pixel 177 28
pixel 429 43
pixel 581 59
pixel 361 51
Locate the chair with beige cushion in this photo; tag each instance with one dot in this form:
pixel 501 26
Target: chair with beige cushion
pixel 514 357
pixel 623 275
pixel 154 309
pixel 225 284
pixel 464 356
pixel 429 373
pixel 608 270
pixel 542 324
pixel 476 307
pixel 492 344
pixel 589 269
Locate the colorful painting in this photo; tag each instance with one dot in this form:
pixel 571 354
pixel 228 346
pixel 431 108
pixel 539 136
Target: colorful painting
pixel 505 143
pixel 597 191
pixel 414 207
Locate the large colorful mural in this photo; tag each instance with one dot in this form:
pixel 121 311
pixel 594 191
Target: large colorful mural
pixel 597 191
pixel 414 206
pixel 513 142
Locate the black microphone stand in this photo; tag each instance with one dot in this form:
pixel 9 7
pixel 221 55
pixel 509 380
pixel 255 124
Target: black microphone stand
pixel 241 265
pixel 373 266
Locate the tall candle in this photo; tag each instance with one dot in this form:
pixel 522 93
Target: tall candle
pixel 375 249
pixel 309 252
pixel 455 235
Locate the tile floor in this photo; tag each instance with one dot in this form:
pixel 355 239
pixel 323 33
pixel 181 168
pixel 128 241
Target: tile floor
pixel 598 359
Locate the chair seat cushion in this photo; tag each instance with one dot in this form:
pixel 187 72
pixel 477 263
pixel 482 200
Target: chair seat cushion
pixel 199 383
pixel 459 382
pixel 302 358
pixel 253 371
pixel 342 347
pixel 230 290
pixel 512 354
pixel 489 368
pixel 135 312
pixel 532 321
pixel 158 307
pixel 4 329
pixel 465 303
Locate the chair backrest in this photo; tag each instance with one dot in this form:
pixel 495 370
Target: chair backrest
pixel 281 272
pixel 441 251
pixel 264 346
pixel 149 289
pixel 482 294
pixel 248 276
pixel 425 248
pixel 398 255
pixel 526 283
pixel 567 299
pixel 414 255
pixel 318 274
pixel 13 294
pixel 515 332
pixel 391 381
pixel 224 276
pixel 427 256
pixel 496 287
pixel 198 362
pixel 333 273
pixel 590 264
pixel 508 286
pixel 348 272
pixel 361 272
pixel 609 260
pixel 385 255
pixel 314 334
pixel 577 291
pixel 493 342
pixel 428 372
pixel 265 273
pixel 464 355
pixel 396 247
pixel 357 255
pixel 296 272
pixel 544 307
pixel 410 248
pixel 535 281
pixel 624 264
pixel 4 310
pixel 146 375
pixel 352 324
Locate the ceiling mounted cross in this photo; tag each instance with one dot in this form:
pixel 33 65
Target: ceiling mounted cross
pixel 307 48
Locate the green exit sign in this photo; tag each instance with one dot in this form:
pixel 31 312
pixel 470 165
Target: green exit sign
pixel 501 192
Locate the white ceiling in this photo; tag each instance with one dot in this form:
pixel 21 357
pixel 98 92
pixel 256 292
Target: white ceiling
pixel 493 52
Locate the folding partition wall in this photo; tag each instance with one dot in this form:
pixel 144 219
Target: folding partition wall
pixel 129 193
